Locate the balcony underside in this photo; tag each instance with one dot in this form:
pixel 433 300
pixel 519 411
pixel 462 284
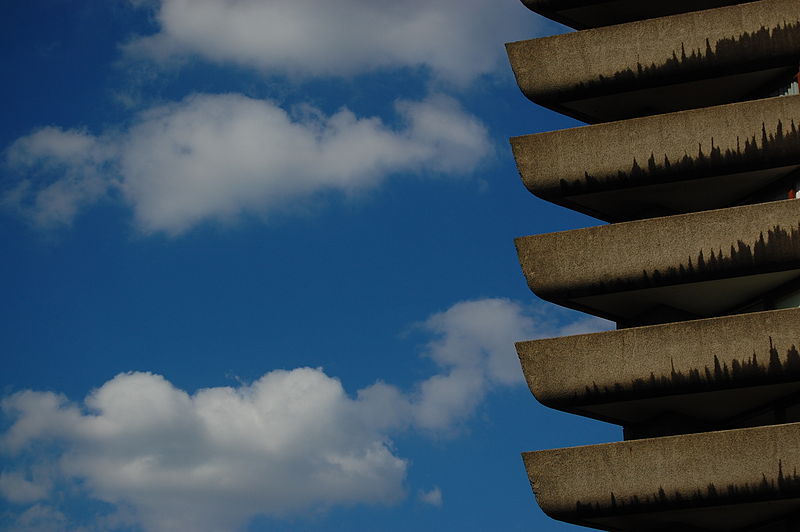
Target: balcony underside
pixel 663 65
pixel 682 94
pixel 668 164
pixel 693 265
pixel 685 377
pixel 681 197
pixel 737 480
pixel 684 301
pixel 583 14
pixel 766 516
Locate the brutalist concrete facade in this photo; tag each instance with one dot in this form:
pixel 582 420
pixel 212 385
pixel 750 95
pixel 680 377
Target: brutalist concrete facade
pixel 693 155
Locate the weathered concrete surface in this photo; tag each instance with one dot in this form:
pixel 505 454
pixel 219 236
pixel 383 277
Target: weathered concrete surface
pixel 673 483
pixel 661 65
pixel 709 373
pixel 678 162
pixel 619 271
pixel 582 14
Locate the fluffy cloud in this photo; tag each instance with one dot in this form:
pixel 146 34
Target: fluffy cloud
pixel 292 440
pixel 216 157
pixel 471 345
pixel 457 40
pixel 208 461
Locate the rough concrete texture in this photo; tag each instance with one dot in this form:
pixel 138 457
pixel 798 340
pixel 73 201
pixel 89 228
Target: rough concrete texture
pixel 730 137
pixel 582 14
pixel 624 486
pixel 559 370
pixel 663 251
pixel 624 56
pixel 687 377
pixel 722 373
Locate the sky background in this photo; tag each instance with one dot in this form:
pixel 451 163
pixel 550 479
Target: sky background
pixel 258 267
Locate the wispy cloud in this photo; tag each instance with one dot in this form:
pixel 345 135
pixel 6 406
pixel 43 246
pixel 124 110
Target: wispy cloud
pixel 587 325
pixel 457 40
pixel 432 496
pixel 216 157
pixel 290 441
pixel 42 518
pixel 78 160
pixel 20 487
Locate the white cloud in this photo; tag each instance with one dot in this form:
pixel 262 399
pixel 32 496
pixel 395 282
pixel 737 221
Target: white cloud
pixel 457 40
pixel 208 461
pixel 475 334
pixel 81 161
pixel 291 441
pixel 472 347
pixel 432 496
pixel 216 157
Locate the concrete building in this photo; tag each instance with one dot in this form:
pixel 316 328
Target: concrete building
pixel 693 156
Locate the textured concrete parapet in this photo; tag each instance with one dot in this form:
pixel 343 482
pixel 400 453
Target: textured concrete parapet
pixel 707 374
pixel 662 65
pixel 727 480
pixel 582 14
pixel 619 271
pixel 673 163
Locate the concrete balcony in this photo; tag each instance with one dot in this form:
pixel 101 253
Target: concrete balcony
pixel 720 373
pixel 667 164
pixel 743 479
pixel 583 14
pixel 685 61
pixel 668 269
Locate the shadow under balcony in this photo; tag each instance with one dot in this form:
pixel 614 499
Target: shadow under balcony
pixel 662 65
pixel 742 479
pixel 583 14
pixel 668 164
pixel 669 269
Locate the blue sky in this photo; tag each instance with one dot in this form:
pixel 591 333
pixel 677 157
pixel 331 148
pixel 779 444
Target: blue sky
pixel 259 270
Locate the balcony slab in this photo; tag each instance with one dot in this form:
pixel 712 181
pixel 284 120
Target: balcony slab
pixel 672 163
pixel 727 372
pixel 663 65
pixel 742 479
pixel 699 265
